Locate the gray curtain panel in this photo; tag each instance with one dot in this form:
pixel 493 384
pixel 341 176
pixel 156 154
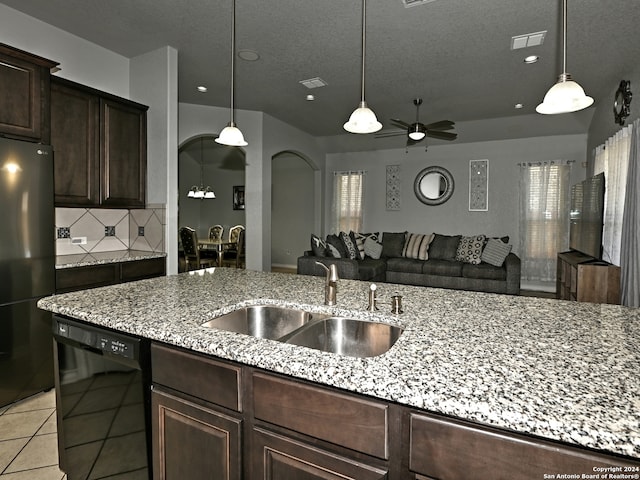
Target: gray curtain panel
pixel 630 245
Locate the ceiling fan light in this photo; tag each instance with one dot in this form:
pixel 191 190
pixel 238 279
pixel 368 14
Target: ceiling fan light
pixel 417 132
pixel 564 97
pixel 232 136
pixel 362 120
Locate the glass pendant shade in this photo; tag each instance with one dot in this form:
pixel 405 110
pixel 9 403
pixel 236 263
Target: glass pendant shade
pixel 564 97
pixel 232 136
pixel 362 120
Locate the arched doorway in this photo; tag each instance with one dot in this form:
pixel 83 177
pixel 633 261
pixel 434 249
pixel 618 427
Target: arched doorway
pixel 293 208
pixel 204 163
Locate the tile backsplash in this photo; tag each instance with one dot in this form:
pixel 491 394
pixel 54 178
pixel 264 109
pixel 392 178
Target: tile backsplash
pixel 82 230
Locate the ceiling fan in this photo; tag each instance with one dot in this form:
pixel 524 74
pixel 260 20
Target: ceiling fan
pixel 417 131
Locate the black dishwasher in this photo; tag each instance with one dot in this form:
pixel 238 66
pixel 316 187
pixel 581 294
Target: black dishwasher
pixel 103 400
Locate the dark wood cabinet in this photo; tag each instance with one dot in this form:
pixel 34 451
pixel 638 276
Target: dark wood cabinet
pixel 584 279
pixel 276 457
pixel 92 276
pixel 193 442
pixel 292 429
pixel 100 147
pixel 24 95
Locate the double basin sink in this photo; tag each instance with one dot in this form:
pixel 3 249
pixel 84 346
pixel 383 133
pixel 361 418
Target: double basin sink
pixel 345 336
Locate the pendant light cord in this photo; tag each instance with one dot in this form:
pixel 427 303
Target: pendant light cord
pixel 364 43
pixel 564 36
pixel 233 49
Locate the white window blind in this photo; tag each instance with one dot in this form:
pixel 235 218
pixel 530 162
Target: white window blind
pixel 544 219
pixel 347 208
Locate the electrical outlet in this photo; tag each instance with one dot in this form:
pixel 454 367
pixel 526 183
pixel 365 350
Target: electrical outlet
pixel 64 232
pixel 110 231
pixel 78 240
pixel 141 231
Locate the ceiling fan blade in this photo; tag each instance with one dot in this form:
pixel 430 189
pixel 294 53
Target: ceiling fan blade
pixel 442 135
pixel 389 134
pixel 399 123
pixel 441 125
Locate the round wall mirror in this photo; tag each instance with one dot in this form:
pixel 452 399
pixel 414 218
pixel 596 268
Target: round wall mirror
pixel 433 185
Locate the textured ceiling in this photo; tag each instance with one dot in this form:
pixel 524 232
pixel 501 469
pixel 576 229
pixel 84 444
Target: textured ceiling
pixel 455 54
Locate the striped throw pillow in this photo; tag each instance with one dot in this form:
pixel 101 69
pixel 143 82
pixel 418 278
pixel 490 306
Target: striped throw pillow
pixel 417 246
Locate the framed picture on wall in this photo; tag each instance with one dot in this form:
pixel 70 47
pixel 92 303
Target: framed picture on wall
pixel 238 197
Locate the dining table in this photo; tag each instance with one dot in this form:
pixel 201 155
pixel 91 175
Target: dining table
pixel 218 245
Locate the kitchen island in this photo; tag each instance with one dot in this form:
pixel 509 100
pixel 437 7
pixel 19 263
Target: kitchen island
pixel 555 370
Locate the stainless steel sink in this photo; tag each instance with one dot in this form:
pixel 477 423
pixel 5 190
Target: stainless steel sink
pixel 262 321
pixel 346 336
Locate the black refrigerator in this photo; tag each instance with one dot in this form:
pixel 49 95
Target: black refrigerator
pixel 27 268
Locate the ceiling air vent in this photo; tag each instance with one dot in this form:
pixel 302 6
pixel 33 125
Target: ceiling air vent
pixel 413 3
pixel 314 82
pixel 528 40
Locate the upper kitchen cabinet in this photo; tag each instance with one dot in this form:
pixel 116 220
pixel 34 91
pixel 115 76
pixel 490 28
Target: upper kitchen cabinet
pixel 100 146
pixel 24 95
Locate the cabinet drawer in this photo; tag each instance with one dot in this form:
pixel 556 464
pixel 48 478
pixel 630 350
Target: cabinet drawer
pixel 199 376
pixel 450 450
pixel 344 420
pixel 139 269
pixel 79 278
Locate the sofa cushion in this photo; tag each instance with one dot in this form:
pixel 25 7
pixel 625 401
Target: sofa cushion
pixel 444 247
pixel 370 269
pixel 372 248
pixel 484 271
pixel 318 246
pixel 349 243
pixel 417 246
pixel 404 265
pixel 442 267
pixel 470 249
pixel 495 252
pixel 336 246
pixel 392 244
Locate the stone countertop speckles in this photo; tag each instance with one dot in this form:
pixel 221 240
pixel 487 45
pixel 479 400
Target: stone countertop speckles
pixel 560 370
pixel 100 258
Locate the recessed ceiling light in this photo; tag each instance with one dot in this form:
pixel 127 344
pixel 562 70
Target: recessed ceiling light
pixel 518 105
pixel 248 55
pixel 310 98
pixel 531 59
pixel 202 88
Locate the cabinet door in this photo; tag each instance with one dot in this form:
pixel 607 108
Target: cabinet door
pixel 75 138
pixel 193 442
pixel 275 457
pixel 123 154
pixel 24 95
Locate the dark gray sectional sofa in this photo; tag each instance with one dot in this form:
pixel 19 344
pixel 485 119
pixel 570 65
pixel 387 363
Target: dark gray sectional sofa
pixel 444 271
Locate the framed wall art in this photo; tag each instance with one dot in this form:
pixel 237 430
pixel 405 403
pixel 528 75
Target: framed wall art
pixel 478 185
pixel 238 197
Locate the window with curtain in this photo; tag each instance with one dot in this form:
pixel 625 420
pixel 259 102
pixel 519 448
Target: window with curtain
pixel 348 195
pixel 612 158
pixel 544 220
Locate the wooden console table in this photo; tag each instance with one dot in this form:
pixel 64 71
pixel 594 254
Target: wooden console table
pixel 585 279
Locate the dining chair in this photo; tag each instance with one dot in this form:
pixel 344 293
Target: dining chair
pixel 193 259
pixel 216 232
pixel 234 232
pixel 235 257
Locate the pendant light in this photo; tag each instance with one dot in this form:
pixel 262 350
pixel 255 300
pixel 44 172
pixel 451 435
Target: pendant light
pixel 566 95
pixel 231 135
pixel 201 192
pixel 363 120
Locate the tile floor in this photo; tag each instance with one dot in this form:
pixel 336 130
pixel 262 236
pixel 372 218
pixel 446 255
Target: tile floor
pixel 28 440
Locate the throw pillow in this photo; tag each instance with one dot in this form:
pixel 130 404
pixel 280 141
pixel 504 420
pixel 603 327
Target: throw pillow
pixel 470 249
pixel 417 246
pixel 393 243
pixel 318 246
pixel 336 246
pixel 359 243
pixel 352 250
pixel 444 247
pixel 495 252
pixel 372 248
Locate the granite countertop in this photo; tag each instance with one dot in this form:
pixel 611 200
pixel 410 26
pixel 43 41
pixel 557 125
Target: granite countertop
pixel 99 258
pixel 560 370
